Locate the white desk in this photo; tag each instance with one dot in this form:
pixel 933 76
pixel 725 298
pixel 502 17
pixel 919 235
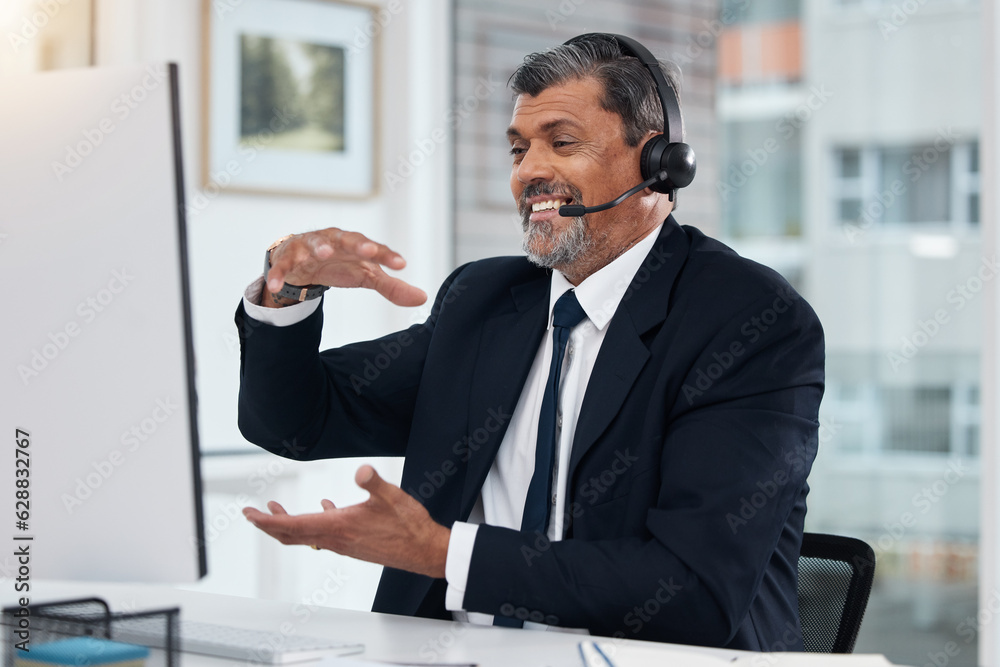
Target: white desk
pixel 386 637
pixel 393 638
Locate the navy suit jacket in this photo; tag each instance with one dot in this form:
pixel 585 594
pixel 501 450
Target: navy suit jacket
pixel 687 479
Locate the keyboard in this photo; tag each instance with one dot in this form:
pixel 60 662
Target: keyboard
pixel 249 646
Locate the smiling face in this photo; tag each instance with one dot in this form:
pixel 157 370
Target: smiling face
pixel 566 148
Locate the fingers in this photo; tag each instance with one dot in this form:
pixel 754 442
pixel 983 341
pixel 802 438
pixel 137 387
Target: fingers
pixel 253 515
pixel 330 242
pixel 390 528
pixel 284 527
pixel 304 258
pixel 398 291
pixel 379 489
pixel 369 480
pixel 358 244
pixel 256 517
pixel 291 262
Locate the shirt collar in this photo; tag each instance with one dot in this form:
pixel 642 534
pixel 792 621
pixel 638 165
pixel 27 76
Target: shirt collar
pixel 601 292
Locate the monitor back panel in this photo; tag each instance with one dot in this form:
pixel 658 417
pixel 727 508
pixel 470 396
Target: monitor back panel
pixel 97 390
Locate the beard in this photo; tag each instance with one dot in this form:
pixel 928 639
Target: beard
pixel 544 245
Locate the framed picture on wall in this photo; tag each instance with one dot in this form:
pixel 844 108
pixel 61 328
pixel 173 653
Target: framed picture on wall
pixel 290 97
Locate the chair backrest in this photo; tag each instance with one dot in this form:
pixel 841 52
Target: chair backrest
pixel 835 579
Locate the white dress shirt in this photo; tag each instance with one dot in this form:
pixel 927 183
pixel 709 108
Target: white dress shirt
pixel 501 500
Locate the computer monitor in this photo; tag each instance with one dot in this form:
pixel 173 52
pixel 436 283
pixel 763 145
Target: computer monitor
pixel 100 463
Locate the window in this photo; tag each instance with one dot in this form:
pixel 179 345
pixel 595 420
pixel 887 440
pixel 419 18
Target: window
pixel 965 176
pixel 917 419
pixel 760 187
pixel 965 416
pixel 934 183
pixel 876 420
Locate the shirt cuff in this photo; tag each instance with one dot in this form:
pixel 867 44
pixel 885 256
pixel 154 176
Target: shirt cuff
pixel 280 317
pixel 457 563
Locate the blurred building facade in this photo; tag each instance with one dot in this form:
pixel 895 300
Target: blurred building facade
pixel 850 164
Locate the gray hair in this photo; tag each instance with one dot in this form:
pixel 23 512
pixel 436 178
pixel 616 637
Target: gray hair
pixel 629 90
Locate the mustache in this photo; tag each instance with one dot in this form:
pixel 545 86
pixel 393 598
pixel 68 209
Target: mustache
pixel 557 189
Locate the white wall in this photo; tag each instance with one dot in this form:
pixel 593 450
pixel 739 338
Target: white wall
pixel 228 234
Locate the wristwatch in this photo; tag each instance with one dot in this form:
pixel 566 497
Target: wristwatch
pixel 294 292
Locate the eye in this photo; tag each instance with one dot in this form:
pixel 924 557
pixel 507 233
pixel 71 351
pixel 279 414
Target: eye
pixel 517 150
pixel 562 144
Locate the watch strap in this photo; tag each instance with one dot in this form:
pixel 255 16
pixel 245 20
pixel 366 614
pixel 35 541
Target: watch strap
pixel 288 291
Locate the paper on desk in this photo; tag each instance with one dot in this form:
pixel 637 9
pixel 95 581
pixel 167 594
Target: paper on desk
pixel 633 656
pixel 619 655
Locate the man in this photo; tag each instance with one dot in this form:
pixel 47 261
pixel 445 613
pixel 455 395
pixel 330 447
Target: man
pixel 673 498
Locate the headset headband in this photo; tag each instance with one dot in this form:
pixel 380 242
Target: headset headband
pixel 665 162
pixel 673 123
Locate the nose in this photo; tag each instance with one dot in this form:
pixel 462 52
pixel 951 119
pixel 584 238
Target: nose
pixel 534 167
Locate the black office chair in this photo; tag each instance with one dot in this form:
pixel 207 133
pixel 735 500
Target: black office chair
pixel 835 578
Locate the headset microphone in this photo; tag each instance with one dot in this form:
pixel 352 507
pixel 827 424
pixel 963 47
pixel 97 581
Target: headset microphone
pixel 576 210
pixel 666 162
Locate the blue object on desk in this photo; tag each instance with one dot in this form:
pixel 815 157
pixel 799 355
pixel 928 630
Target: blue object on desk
pixel 82 651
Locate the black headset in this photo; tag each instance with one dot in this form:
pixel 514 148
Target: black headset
pixel 666 152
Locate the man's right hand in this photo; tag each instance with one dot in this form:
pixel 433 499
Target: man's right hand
pixel 337 258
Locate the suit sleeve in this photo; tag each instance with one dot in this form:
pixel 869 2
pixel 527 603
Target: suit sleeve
pixel 356 400
pixel 740 433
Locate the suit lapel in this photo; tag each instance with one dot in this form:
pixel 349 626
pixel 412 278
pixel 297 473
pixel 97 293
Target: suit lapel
pixel 623 353
pixel 508 345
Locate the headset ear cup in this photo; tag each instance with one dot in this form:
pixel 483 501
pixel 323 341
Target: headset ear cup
pixel 649 162
pixel 680 163
pixel 678 160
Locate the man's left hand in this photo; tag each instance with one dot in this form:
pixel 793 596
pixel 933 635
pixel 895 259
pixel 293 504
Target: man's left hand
pixel 390 528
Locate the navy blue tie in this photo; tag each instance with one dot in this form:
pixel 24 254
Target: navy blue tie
pixel 566 314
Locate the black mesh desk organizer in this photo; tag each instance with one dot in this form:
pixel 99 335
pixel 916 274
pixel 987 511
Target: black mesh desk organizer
pixel 91 617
